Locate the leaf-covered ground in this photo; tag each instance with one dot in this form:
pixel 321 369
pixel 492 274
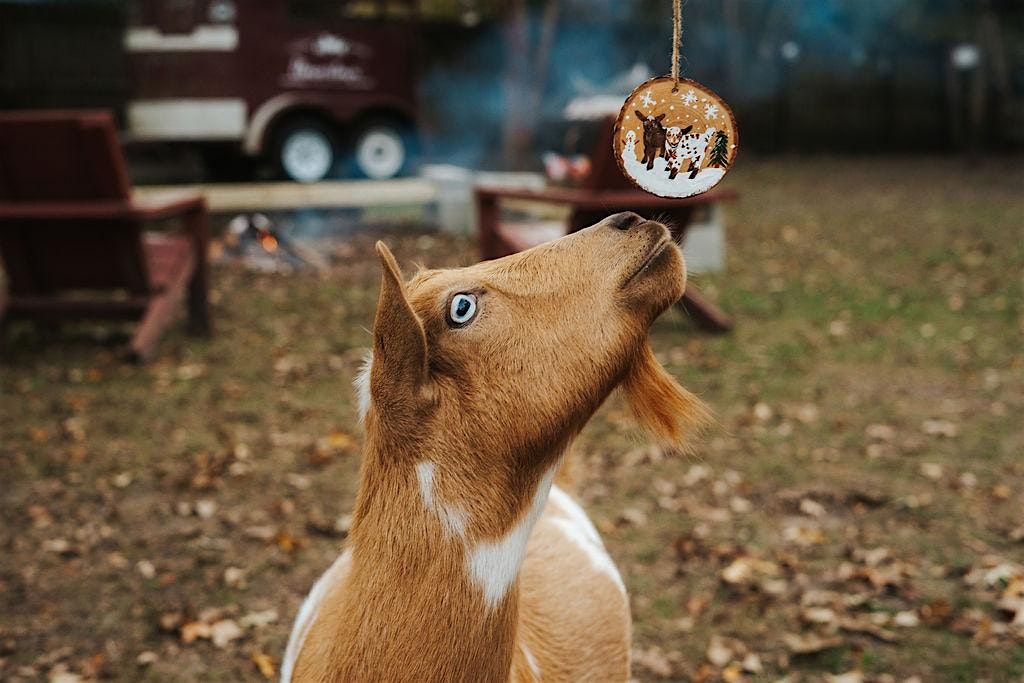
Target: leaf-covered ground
pixel 858 512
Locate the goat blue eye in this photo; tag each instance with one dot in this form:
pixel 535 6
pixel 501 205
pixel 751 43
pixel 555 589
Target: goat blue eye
pixel 462 309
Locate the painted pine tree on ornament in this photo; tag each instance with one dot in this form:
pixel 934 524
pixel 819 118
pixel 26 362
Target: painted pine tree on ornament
pixel 719 156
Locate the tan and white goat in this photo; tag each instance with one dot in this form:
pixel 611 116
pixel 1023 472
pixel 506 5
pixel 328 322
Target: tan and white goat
pixel 464 561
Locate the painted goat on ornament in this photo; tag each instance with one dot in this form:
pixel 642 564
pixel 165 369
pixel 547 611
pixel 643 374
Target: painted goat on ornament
pixel 466 559
pixel 673 136
pixel 654 137
pixel 687 145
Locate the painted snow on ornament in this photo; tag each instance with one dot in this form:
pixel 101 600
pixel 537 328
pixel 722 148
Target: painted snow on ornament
pixel 657 181
pixel 678 149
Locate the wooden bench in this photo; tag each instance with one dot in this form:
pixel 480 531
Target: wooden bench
pixel 605 191
pixel 72 243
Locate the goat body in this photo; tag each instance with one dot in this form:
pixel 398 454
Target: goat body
pixel 654 137
pixel 683 145
pixel 466 561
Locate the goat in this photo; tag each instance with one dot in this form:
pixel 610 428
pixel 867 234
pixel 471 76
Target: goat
pixel 465 561
pixel 690 146
pixel 673 136
pixel 654 137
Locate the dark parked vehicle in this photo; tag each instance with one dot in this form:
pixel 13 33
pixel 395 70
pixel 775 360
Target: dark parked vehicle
pixel 307 83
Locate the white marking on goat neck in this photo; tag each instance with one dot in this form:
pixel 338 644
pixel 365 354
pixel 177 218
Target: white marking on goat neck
pixel 307 615
pixel 530 659
pixel 494 565
pixel 453 520
pixel 572 521
pixel 362 385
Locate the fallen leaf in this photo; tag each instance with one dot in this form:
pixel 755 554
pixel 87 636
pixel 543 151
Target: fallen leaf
pixel 906 619
pixel 819 615
pixel 745 570
pixel 194 630
pixel 146 658
pixel 943 428
pixel 286 542
pixel 848 677
pixel 223 632
pixel 258 619
pixel 653 660
pixel 732 673
pixel 880 432
pixel 803 535
pixel 265 664
pixel 740 505
pixel 718 653
pixel 206 508
pixel 145 568
pixel 809 643
pixel 863 624
pixel 633 517
pixel 234 577
pixel 58 545
pixel 752 663
pixel 171 621
pixel 812 508
pixel 60 674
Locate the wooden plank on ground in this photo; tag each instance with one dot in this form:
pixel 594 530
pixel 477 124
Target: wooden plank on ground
pixel 228 197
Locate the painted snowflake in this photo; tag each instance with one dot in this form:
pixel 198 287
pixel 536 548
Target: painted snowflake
pixel 711 111
pixel 689 98
pixel 647 100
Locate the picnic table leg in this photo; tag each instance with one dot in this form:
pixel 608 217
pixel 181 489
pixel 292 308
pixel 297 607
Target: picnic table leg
pixel 707 315
pixel 198 287
pixel 487 216
pixel 695 305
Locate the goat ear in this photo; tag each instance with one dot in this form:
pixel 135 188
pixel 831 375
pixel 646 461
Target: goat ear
pixel 399 343
pixel 660 404
pixel 640 115
pixel 659 117
pixel 686 130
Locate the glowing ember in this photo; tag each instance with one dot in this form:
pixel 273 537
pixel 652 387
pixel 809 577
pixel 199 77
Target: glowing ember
pixel 268 242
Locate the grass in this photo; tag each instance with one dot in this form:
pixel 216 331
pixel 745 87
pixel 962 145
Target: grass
pixel 867 293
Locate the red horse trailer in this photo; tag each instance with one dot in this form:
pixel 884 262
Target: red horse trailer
pixel 306 83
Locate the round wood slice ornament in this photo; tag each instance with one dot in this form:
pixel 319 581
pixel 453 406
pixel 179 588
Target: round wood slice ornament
pixel 675 137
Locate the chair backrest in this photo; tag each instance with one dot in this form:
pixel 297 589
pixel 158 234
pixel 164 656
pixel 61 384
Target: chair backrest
pixel 60 156
pixel 62 159
pixel 604 170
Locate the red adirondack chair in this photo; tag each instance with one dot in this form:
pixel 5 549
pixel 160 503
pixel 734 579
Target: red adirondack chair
pixel 72 243
pixel 605 191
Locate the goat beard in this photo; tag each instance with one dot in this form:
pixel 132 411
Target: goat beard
pixel 660 404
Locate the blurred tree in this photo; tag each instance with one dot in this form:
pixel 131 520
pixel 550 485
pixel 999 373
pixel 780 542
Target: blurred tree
pixel 527 53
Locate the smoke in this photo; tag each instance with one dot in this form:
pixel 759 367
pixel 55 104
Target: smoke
pixel 805 74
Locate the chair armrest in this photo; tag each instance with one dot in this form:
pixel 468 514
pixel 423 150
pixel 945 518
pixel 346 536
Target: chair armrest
pixel 168 206
pixel 150 209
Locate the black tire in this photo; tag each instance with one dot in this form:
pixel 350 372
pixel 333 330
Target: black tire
pixel 306 150
pixel 382 148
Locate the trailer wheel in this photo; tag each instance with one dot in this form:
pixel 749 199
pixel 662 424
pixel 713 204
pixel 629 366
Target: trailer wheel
pixel 306 151
pixel 382 149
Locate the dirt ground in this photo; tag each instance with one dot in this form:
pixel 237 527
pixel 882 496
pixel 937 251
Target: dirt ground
pixel 857 513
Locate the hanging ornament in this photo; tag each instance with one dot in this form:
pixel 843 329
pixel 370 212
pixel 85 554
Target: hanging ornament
pixel 674 137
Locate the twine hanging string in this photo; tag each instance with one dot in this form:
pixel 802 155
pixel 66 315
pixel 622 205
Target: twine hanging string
pixel 677 30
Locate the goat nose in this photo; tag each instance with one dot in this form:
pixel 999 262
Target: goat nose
pixel 625 220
